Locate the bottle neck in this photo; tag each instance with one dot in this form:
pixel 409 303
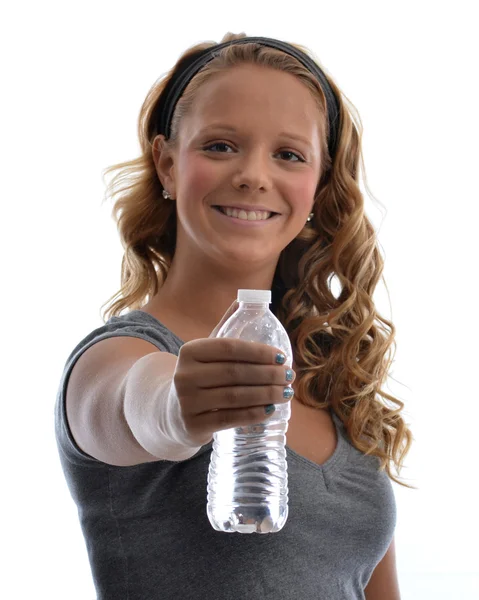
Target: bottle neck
pixel 254 305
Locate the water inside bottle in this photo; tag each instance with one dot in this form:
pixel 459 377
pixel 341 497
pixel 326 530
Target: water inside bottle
pixel 247 480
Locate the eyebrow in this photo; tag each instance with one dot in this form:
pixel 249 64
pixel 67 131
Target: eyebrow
pixel 285 134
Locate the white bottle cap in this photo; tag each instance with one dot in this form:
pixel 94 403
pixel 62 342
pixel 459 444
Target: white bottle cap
pixel 254 296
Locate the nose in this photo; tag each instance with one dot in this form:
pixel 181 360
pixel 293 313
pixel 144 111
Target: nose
pixel 253 174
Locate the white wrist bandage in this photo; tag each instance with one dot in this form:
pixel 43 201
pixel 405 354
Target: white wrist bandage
pixel 173 436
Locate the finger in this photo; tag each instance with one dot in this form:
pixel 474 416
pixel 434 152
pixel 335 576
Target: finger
pixel 232 350
pixel 226 419
pixel 223 375
pixel 241 397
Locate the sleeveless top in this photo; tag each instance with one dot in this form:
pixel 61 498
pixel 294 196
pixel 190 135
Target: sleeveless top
pixel 148 536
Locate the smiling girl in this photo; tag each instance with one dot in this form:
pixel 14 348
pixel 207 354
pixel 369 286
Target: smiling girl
pixel 248 178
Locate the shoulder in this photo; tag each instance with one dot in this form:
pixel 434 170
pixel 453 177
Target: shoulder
pixel 137 324
pixel 141 321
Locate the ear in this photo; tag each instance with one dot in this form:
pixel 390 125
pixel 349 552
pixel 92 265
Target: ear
pixel 164 160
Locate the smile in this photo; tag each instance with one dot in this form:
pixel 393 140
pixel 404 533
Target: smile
pixel 241 218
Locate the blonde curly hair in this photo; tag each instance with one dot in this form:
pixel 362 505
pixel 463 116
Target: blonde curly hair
pixel 342 346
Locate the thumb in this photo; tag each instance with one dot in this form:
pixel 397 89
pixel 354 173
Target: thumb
pixel 224 318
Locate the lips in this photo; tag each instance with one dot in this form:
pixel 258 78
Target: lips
pixel 251 223
pixel 234 213
pixel 255 209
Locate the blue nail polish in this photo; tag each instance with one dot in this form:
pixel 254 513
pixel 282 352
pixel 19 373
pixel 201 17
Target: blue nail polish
pixel 269 409
pixel 280 359
pixel 288 393
pixel 289 375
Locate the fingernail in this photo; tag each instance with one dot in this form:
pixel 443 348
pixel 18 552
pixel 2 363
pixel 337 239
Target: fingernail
pixel 288 393
pixel 269 409
pixel 280 359
pixel 289 374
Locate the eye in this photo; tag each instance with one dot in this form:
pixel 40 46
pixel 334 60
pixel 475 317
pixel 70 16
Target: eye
pixel 216 144
pixel 292 154
pixel 225 145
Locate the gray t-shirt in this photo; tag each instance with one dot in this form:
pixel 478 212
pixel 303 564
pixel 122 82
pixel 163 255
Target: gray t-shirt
pixel 148 536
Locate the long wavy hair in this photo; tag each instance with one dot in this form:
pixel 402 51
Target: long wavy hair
pixel 342 346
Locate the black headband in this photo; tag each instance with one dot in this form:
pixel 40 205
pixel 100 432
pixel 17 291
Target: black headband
pixel 189 67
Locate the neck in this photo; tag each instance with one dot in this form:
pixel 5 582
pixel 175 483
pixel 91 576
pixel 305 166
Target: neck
pixel 199 298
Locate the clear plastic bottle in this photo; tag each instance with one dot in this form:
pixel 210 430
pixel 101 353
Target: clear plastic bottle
pixel 248 473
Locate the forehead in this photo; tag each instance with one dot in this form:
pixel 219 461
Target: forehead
pixel 255 98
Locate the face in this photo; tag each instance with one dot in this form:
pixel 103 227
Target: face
pixel 252 139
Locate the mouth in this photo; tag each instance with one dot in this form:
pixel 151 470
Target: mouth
pixel 244 221
pixel 249 216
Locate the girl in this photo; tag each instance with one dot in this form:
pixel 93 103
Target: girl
pixel 248 178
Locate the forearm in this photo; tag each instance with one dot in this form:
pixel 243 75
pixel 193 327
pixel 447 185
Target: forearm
pixel 152 411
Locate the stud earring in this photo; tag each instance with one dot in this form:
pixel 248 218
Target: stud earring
pixel 310 217
pixel 166 195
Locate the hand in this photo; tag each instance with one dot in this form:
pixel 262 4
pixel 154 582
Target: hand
pixel 222 383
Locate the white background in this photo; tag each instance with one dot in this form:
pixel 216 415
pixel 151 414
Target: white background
pixel 74 76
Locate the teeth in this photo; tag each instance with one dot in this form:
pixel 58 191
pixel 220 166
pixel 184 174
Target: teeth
pixel 250 215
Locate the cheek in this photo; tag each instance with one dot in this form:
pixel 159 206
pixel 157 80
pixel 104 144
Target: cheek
pixel 303 190
pixel 197 176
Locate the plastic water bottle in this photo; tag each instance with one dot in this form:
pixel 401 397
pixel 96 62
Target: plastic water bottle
pixel 248 473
